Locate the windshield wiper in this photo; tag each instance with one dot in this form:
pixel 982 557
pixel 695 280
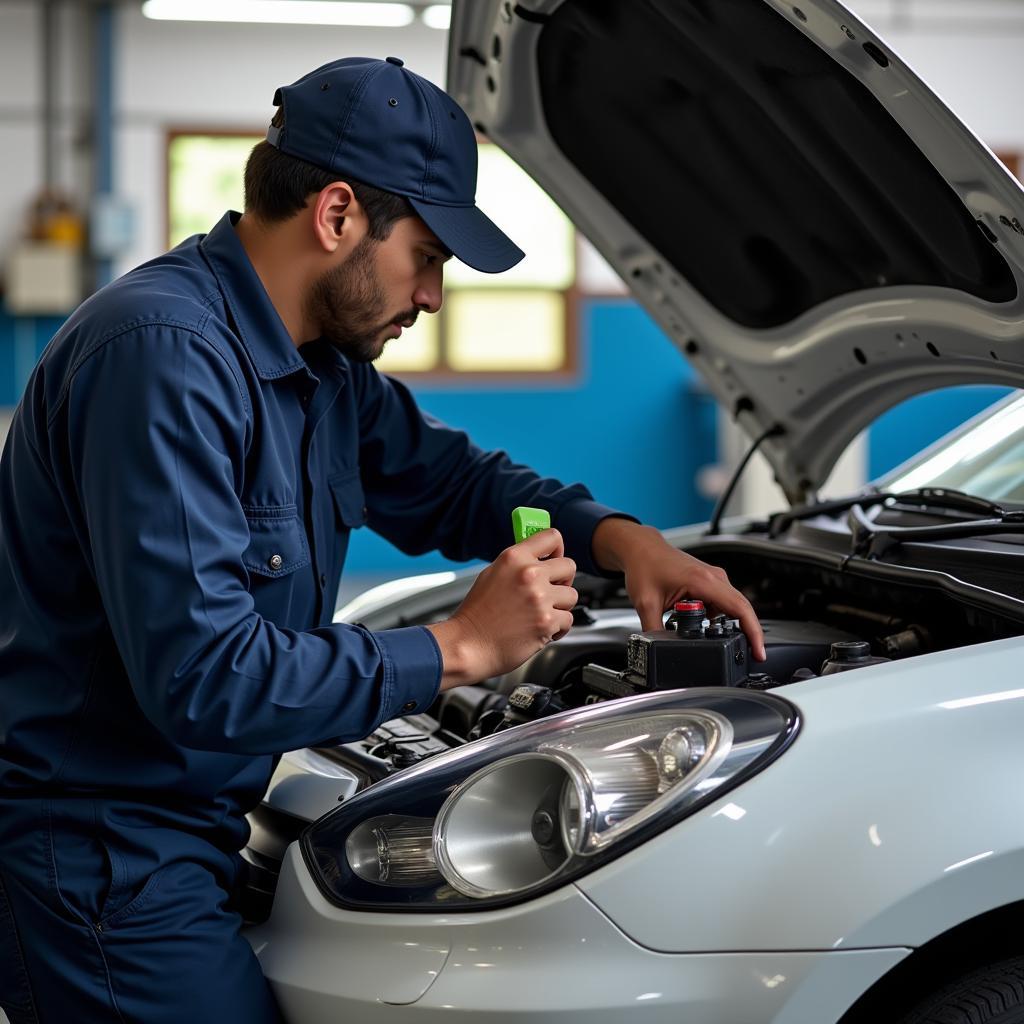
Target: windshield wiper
pixel 941 499
pixel 946 499
pixel 872 541
pixel 780 522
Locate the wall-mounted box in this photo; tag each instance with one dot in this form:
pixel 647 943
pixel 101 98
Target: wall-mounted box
pixel 43 278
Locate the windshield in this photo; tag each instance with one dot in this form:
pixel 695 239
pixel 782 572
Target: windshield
pixel 984 458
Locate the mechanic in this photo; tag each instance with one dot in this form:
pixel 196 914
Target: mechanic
pixel 176 496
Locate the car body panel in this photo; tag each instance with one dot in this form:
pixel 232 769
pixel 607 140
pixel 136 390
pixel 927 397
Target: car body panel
pixel 554 958
pixel 324 955
pixel 894 816
pixel 828 372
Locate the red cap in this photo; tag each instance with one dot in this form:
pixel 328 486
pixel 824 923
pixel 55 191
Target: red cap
pixel 689 606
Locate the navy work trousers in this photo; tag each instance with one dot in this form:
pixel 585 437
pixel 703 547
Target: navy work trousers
pixel 76 949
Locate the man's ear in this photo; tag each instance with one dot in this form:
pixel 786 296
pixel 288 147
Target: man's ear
pixel 337 217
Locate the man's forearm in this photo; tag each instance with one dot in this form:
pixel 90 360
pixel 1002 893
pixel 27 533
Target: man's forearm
pixel 614 537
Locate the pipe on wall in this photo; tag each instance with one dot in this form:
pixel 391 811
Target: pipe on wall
pixel 104 42
pixel 48 69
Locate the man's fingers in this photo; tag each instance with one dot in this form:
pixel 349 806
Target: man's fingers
pixel 565 623
pixel 558 570
pixel 736 606
pixel 651 612
pixel 565 598
pixel 545 544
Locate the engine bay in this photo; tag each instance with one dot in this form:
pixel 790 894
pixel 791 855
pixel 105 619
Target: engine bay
pixel 820 619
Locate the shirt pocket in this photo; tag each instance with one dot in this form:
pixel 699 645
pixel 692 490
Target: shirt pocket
pixel 277 541
pixel 349 498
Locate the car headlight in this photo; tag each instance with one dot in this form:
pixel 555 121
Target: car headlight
pixel 521 812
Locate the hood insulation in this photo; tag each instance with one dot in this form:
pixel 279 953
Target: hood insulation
pixel 770 178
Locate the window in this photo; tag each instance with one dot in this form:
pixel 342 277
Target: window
pixel 519 322
pixel 515 322
pixel 204 178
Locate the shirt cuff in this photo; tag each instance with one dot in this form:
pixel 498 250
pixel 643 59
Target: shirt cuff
pixel 412 670
pixel 577 521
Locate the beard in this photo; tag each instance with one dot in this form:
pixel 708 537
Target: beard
pixel 348 303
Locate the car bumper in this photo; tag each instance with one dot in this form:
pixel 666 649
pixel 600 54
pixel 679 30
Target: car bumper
pixel 555 958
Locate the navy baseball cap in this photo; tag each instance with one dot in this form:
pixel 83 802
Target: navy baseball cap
pixel 383 125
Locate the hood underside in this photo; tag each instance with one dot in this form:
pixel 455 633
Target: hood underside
pixel 803 217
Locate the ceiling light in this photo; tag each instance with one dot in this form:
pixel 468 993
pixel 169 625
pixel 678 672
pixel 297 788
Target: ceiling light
pixel 282 12
pixel 437 16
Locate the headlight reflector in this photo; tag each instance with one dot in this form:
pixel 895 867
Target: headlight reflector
pixel 497 832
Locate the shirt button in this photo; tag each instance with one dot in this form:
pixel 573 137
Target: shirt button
pixel 323 579
pixel 275 562
pixel 409 705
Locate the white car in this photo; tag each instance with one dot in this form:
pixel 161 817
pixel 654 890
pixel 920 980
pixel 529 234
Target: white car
pixel 649 826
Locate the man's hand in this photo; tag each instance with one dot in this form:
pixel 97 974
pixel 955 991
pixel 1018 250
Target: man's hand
pixel 658 575
pixel 520 602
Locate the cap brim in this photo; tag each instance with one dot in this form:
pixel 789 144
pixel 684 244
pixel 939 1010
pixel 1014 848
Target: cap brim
pixel 471 235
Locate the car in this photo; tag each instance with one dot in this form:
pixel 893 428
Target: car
pixel 649 825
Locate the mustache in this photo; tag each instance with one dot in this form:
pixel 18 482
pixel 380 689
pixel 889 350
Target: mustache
pixel 406 318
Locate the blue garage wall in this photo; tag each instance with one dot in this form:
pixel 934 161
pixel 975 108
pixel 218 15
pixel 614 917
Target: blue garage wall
pixel 634 427
pixel 914 424
pixel 22 340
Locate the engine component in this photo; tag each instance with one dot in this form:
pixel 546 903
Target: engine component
pixel 688 653
pixel 792 645
pixel 763 681
pixel 847 654
pixel 528 701
pixel 602 638
pixel 910 641
pixel 693 651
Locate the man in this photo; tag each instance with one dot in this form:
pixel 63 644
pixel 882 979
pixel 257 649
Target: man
pixel 176 496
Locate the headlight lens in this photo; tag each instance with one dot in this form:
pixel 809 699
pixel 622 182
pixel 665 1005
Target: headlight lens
pixel 519 813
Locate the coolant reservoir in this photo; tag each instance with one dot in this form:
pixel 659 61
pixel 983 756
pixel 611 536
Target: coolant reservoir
pixel 847 654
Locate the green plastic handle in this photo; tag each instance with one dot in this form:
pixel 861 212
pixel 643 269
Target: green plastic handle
pixel 528 521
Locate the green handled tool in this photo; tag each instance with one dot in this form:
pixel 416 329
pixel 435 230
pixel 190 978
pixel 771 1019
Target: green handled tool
pixel 528 521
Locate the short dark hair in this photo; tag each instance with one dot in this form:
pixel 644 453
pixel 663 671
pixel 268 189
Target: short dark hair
pixel 277 186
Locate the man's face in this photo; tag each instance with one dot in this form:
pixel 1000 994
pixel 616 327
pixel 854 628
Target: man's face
pixel 381 287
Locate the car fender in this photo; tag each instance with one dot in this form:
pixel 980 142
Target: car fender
pixel 895 815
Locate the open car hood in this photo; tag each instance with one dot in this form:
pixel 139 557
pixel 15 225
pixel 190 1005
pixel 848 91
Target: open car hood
pixel 803 217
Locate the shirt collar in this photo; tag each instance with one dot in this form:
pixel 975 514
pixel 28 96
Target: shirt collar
pixel 270 347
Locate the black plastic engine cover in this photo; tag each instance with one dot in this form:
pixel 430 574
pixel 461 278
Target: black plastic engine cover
pixel 789 644
pixel 664 660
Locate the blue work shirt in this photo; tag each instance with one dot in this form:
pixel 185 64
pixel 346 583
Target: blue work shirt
pixel 176 496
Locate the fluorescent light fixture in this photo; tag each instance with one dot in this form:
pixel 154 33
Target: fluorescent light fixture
pixel 282 12
pixel 437 16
